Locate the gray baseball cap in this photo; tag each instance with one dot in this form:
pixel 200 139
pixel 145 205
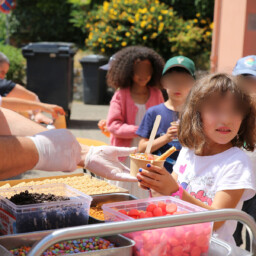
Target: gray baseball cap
pixel 107 66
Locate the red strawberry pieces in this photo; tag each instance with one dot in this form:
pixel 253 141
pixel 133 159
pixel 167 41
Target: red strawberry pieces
pixel 158 212
pixel 153 210
pixel 151 207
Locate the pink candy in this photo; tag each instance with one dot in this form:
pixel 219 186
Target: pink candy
pixel 175 241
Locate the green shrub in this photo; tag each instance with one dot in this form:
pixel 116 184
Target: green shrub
pixel 189 8
pixel 17 63
pixel 79 11
pixel 2 27
pixel 121 23
pixel 43 20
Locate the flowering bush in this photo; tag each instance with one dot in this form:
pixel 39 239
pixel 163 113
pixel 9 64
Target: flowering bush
pixel 121 23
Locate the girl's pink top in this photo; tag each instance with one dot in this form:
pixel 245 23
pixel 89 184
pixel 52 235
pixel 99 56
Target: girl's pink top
pixel 122 114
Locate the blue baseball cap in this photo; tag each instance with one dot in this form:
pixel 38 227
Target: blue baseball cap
pixel 245 65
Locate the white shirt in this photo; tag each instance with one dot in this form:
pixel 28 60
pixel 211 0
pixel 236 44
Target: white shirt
pixel 203 176
pixel 0 101
pixel 139 116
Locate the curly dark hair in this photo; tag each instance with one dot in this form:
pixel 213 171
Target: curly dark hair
pixel 120 73
pixel 191 133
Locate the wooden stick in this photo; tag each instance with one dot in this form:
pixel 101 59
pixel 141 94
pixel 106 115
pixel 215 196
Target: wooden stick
pixel 166 154
pixel 153 134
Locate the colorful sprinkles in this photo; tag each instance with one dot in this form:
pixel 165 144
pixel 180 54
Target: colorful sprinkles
pixel 143 156
pixel 69 247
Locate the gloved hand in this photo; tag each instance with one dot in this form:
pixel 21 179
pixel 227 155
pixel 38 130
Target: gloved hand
pixel 103 161
pixel 58 150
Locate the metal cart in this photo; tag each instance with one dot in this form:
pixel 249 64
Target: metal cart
pixel 217 246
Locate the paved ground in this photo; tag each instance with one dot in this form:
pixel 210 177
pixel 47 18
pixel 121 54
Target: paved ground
pixel 84 119
pixel 83 123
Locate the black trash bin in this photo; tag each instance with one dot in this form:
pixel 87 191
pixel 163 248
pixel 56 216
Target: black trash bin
pixel 95 88
pixel 50 72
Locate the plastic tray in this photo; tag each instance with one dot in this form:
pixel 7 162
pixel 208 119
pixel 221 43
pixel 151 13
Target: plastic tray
pixel 216 249
pixel 124 245
pixel 107 198
pixel 217 246
pixel 192 239
pixel 52 215
pixel 220 248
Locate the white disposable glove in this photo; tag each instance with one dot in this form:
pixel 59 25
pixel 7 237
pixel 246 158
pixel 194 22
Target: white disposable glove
pixel 103 161
pixel 58 150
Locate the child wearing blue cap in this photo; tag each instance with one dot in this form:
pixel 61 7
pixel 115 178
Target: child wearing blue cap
pixel 246 68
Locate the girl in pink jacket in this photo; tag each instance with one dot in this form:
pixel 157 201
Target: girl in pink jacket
pixel 135 73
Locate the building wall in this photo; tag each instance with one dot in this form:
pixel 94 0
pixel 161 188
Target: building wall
pixel 234 34
pixel 250 31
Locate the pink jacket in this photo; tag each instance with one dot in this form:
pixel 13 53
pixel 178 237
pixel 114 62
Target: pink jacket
pixel 122 114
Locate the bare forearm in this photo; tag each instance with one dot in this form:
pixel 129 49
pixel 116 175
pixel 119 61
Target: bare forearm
pixel 158 143
pixel 18 154
pixel 14 124
pixel 19 105
pixel 22 93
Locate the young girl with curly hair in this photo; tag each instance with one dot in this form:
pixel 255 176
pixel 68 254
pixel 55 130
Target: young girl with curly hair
pixel 135 73
pixel 211 170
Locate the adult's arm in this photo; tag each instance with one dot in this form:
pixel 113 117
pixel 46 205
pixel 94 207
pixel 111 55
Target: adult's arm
pixel 21 92
pixel 54 150
pixel 21 105
pixel 18 154
pixel 58 150
pixel 11 123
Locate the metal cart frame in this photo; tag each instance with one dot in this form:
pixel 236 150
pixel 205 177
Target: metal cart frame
pixel 114 228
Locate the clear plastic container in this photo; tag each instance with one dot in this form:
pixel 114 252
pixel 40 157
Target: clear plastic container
pixel 174 241
pixel 16 219
pixel 99 200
